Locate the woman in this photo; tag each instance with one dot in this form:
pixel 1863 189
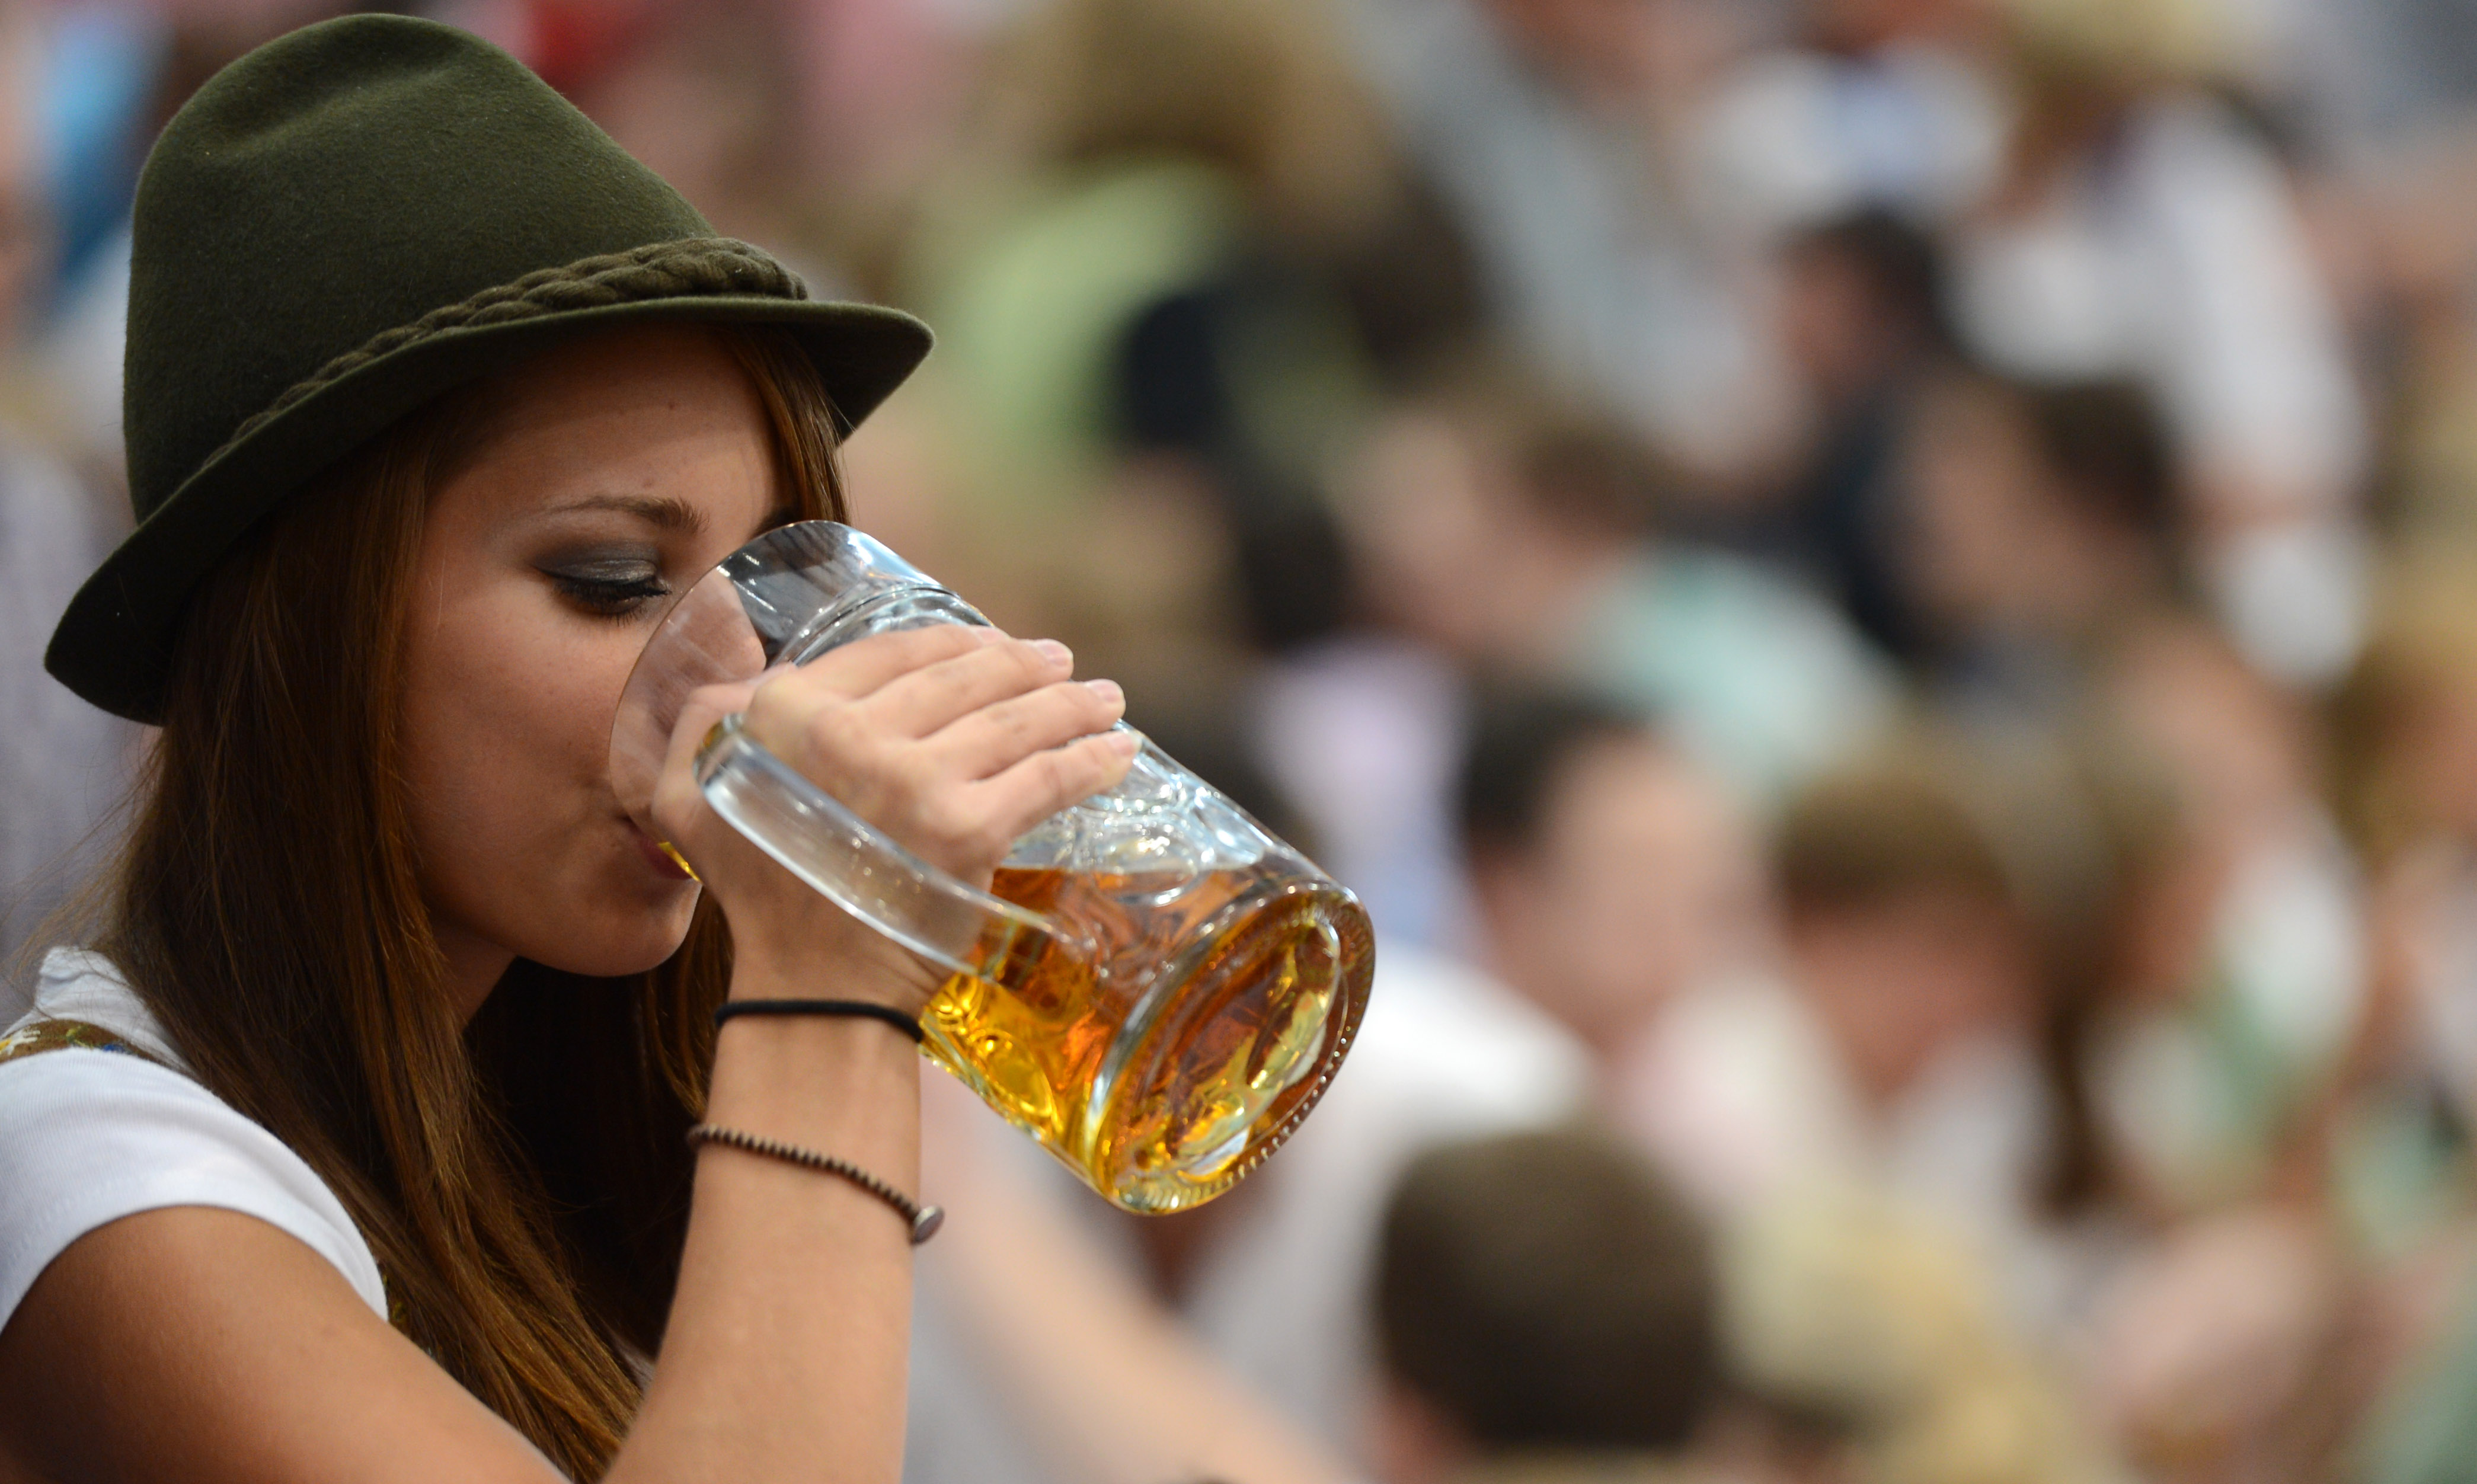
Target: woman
pixel 434 396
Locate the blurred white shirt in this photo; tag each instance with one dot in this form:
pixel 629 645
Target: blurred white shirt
pixel 1283 1294
pixel 2178 257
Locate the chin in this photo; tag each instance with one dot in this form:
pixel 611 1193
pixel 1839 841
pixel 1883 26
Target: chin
pixel 614 945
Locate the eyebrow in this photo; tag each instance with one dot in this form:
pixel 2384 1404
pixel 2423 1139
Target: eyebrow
pixel 663 512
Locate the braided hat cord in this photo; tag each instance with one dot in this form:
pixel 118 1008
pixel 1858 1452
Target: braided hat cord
pixel 695 267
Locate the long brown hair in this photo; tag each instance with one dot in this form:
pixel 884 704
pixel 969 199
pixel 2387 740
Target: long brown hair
pixel 522 1180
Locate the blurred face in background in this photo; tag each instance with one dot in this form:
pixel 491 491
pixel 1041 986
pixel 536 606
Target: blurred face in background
pixel 1970 479
pixel 1900 979
pixel 1425 506
pixel 1643 881
pixel 1998 543
pixel 1455 542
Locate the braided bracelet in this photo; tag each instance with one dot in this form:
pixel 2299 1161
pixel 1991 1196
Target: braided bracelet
pixel 924 1221
pixel 859 1009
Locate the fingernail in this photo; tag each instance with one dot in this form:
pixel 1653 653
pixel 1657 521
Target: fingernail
pixel 1122 741
pixel 1057 653
pixel 1107 690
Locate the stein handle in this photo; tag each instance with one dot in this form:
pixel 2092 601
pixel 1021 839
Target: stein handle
pixel 859 867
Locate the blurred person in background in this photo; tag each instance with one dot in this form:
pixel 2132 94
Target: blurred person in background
pixel 2138 227
pixel 1611 871
pixel 1891 107
pixel 1859 317
pixel 2060 1060
pixel 1951 917
pixel 2038 525
pixel 1550 1313
pixel 1078 1372
pixel 2247 980
pixel 1490 523
pixel 1515 528
pixel 2419 210
pixel 63 763
pixel 2254 1144
pixel 2405 781
pixel 1135 154
pixel 1620 889
pixel 1273 1278
pixel 1919 944
pixel 1561 135
pixel 2403 759
pixel 1844 1305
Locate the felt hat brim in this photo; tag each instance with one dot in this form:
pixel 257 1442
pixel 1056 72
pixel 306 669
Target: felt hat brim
pixel 114 643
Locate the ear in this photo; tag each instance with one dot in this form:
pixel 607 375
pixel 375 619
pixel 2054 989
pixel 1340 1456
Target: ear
pixel 1410 1440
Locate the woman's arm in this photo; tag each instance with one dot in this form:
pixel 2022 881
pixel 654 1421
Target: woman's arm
pixel 206 1345
pixel 203 1344
pixel 950 739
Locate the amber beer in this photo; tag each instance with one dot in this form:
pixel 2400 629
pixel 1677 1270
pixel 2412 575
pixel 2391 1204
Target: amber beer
pixel 1145 1072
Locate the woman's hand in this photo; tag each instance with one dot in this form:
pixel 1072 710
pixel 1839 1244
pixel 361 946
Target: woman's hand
pixel 952 740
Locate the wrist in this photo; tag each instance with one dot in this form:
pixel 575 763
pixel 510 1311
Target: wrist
pixel 907 1024
pixel 846 960
pixel 808 1079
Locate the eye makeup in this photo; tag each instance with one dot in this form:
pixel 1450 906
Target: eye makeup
pixel 607 585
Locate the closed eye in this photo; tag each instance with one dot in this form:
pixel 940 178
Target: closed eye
pixel 609 590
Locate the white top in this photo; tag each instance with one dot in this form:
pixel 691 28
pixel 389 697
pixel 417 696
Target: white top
pixel 87 1137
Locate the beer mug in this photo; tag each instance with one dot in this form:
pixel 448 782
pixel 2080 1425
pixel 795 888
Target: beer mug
pixel 1155 987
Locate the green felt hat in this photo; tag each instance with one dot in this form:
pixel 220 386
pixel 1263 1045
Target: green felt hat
pixel 340 226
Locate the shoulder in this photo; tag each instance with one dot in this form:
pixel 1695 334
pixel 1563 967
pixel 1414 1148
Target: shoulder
pixel 89 1136
pixel 80 986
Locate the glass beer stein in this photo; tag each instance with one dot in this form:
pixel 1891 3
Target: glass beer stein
pixel 1156 987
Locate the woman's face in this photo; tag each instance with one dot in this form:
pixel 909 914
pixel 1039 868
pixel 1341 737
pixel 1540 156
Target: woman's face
pixel 602 478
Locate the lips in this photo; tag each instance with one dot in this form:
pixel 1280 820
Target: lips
pixel 658 857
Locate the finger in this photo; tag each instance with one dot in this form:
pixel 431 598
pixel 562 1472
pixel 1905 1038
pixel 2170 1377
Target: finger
pixel 858 669
pixel 934 696
pixel 1046 782
pixel 994 738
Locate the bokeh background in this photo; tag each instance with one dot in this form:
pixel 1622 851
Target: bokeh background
pixel 1878 596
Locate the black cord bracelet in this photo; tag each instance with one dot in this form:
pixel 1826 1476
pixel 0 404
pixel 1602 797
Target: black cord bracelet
pixel 856 1009
pixel 923 1221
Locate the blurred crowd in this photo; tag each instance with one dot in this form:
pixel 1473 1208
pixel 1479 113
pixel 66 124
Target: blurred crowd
pixel 1879 597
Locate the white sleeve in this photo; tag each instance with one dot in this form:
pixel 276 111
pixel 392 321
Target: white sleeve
pixel 89 1136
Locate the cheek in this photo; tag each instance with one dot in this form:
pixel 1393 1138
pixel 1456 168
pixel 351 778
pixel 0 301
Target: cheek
pixel 508 714
pixel 505 699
